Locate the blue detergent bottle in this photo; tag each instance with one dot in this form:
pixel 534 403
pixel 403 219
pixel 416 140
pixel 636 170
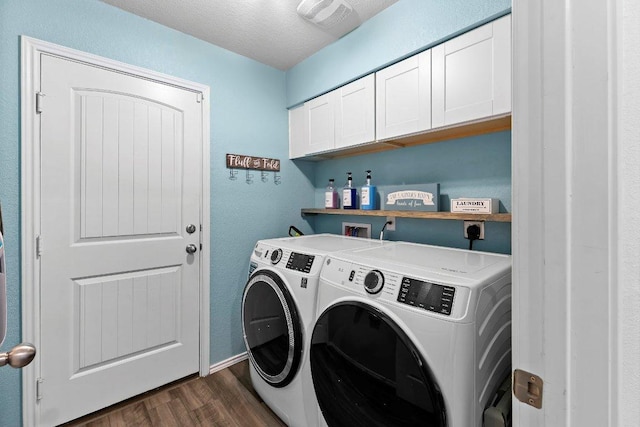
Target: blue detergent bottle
pixel 368 195
pixel 349 194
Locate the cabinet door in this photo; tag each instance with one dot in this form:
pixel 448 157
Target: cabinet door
pixel 403 97
pixel 472 75
pixel 298 135
pixel 355 113
pixel 320 117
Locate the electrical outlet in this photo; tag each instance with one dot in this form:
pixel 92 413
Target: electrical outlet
pixel 392 226
pixel 480 224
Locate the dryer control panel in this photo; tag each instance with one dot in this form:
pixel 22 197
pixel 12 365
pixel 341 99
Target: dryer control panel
pixel 404 289
pixel 426 295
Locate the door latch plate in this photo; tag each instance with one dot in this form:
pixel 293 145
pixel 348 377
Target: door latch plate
pixel 527 388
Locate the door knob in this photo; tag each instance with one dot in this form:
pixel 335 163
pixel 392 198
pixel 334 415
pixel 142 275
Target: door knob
pixel 191 228
pixel 191 248
pixel 19 356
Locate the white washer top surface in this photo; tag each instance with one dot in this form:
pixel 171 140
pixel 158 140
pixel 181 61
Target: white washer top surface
pixel 426 261
pixel 317 246
pixel 323 244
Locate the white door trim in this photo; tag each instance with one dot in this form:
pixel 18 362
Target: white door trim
pixel 575 239
pixel 30 131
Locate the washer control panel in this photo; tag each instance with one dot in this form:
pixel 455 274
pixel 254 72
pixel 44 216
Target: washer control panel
pixel 426 295
pixel 300 262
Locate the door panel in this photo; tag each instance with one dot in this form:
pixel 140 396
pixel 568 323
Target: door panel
pixel 403 97
pixel 128 146
pixel 298 134
pixel 114 309
pixel 121 179
pixel 320 119
pixel 355 112
pixel 472 75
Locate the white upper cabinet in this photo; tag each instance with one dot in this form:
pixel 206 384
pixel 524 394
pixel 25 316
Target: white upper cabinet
pixel 472 75
pixel 403 97
pixel 311 126
pixel 298 134
pixel 464 81
pixel 339 119
pixel 355 113
pixel 320 116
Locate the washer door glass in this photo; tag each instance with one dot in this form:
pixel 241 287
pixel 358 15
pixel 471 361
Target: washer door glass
pixel 271 327
pixel 367 372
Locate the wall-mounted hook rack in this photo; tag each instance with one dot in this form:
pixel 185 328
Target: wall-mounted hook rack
pixel 263 164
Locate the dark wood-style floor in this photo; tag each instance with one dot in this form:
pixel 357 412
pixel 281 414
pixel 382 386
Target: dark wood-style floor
pixel 225 398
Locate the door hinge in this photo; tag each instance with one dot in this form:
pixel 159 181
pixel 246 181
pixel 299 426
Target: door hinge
pixel 527 388
pixel 39 382
pixel 199 97
pixel 39 96
pixel 38 246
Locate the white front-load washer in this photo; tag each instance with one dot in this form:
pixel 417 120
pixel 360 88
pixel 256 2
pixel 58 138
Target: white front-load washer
pixel 278 310
pixel 410 335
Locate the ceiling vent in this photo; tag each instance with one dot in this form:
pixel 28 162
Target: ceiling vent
pixel 325 14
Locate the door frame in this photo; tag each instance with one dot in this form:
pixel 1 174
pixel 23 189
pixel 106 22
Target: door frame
pixel 575 259
pixel 31 49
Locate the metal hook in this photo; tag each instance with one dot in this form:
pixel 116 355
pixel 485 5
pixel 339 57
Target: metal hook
pixel 233 174
pixel 249 179
pixel 277 180
pixel 263 176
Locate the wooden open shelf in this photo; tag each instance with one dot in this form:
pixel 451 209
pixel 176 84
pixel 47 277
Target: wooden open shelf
pixel 499 217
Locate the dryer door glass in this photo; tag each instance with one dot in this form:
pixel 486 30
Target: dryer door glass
pixel 367 372
pixel 271 327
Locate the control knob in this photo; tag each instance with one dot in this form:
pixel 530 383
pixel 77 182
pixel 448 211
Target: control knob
pixel 373 282
pixel 276 256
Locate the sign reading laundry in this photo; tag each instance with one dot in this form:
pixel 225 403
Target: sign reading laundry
pixel 418 197
pixel 240 161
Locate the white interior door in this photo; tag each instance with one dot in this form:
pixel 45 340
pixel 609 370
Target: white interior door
pixel 120 182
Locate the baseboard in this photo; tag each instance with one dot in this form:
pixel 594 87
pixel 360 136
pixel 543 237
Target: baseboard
pixel 228 362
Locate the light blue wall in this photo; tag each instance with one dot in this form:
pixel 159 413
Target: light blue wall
pixel 406 27
pixel 248 116
pixel 478 166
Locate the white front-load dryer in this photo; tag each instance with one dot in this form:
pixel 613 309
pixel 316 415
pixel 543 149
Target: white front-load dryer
pixel 410 335
pixel 278 310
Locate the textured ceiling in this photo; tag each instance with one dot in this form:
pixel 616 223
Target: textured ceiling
pixel 269 31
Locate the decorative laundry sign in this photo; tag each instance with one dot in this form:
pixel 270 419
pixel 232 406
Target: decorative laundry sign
pixel 418 197
pixel 240 161
pixel 475 205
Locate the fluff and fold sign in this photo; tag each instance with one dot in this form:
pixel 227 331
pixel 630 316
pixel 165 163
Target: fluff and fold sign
pixel 240 161
pixel 419 197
